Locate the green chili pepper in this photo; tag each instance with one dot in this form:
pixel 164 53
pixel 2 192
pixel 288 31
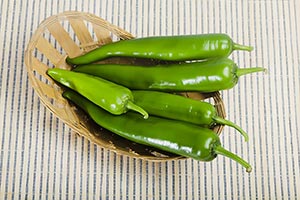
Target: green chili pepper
pixel 169 135
pixel 170 48
pixel 207 76
pixel 177 107
pixel 114 98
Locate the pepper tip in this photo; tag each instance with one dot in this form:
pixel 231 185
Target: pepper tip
pixel 146 116
pixel 69 61
pixel 131 106
pixel 249 169
pixel 237 46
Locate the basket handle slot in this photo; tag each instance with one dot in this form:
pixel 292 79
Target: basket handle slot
pixel 49 91
pixel 40 68
pixel 102 34
pixel 81 31
pixel 48 50
pixel 64 39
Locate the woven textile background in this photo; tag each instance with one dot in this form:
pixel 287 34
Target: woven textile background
pixel 40 157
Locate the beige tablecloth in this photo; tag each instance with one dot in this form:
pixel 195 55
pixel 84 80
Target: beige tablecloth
pixel 40 157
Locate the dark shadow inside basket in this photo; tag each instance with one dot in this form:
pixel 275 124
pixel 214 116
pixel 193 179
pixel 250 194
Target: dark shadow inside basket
pixel 120 144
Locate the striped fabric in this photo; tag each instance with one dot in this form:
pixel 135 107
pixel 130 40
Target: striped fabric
pixel 41 158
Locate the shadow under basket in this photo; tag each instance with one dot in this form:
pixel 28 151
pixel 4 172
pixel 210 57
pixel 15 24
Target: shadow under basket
pixel 73 34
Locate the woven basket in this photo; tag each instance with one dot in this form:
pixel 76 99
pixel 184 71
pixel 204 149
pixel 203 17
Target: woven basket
pixel 75 33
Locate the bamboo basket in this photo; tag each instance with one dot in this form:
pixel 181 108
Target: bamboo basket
pixel 75 33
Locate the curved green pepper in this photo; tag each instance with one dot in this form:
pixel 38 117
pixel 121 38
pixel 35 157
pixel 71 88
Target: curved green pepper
pixel 207 76
pixel 170 48
pixel 169 135
pixel 177 107
pixel 113 98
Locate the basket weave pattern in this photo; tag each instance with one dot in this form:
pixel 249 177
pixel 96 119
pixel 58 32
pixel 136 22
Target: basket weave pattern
pixel 75 33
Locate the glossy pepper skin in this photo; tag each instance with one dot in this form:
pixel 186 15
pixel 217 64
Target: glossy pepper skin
pixel 207 76
pixel 169 48
pixel 113 98
pixel 177 107
pixel 169 135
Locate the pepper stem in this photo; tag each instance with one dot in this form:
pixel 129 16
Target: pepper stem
pixel 221 151
pixel 244 71
pixel 131 106
pixel 220 120
pixel 242 47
